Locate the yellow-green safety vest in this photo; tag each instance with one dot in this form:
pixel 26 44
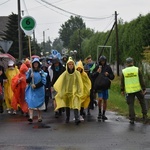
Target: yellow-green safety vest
pixel 131 79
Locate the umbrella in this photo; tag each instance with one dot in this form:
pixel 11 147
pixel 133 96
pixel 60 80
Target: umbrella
pixel 35 56
pixel 4 59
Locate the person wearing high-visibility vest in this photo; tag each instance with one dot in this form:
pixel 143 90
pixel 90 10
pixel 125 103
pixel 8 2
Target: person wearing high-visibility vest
pixel 132 84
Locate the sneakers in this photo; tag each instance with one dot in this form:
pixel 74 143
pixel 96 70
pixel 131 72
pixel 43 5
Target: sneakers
pixel 14 112
pixel 81 118
pixel 132 122
pixel 9 111
pixel 40 120
pixel 56 114
pixel 104 117
pixel 99 117
pixel 77 121
pixel 30 120
pixel 145 119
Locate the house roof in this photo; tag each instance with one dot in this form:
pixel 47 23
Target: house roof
pixel 3 23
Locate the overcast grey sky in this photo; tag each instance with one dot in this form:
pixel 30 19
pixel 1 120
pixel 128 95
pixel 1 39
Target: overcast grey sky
pixel 97 14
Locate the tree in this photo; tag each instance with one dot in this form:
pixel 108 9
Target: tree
pixel 11 34
pixel 77 38
pixel 58 45
pixel 68 28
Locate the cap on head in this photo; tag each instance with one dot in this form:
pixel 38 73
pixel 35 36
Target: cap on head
pixel 10 63
pixel 55 60
pixel 102 58
pixel 129 60
pixel 88 57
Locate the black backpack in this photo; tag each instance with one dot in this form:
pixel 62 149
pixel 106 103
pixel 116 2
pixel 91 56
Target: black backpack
pixel 102 82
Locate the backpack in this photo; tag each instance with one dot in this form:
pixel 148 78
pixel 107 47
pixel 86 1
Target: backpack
pixel 102 82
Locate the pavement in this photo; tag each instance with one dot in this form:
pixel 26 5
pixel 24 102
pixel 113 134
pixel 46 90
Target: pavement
pixel 54 134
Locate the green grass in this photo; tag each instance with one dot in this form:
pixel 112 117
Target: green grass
pixel 117 102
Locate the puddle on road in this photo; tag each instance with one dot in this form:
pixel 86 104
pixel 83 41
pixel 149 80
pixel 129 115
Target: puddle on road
pixel 41 126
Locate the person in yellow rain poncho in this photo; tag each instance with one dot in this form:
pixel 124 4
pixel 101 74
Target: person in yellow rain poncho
pixel 87 87
pixel 69 88
pixel 11 71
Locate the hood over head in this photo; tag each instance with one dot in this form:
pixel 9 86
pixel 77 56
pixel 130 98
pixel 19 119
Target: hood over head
pixel 79 64
pixel 70 60
pixel 23 68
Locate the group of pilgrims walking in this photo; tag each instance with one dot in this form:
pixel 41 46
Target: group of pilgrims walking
pixel 30 85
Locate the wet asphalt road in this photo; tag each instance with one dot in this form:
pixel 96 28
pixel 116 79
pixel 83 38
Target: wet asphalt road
pixel 53 134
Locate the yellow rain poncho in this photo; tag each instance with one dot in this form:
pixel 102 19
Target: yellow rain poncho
pixel 8 93
pixel 86 86
pixel 69 88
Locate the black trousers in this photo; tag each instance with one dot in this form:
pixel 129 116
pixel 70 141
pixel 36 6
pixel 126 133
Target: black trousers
pixel 130 101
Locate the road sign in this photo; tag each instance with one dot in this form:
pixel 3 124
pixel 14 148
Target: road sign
pixel 6 45
pixel 28 24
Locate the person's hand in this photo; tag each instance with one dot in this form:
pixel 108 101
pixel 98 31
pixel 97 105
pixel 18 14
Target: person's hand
pixel 33 86
pixel 99 69
pixel 32 75
pixel 122 93
pixel 144 92
pixel 5 80
pixel 19 80
pixel 106 73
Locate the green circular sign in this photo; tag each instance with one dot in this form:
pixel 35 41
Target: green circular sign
pixel 27 23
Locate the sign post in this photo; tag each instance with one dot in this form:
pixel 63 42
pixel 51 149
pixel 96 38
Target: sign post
pixel 28 24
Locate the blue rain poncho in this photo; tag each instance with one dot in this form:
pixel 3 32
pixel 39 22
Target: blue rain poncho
pixel 35 98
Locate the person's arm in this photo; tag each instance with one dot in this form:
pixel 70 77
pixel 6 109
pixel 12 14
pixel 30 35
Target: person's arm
pixel 122 84
pixel 38 85
pixel 109 73
pixel 95 72
pixel 28 76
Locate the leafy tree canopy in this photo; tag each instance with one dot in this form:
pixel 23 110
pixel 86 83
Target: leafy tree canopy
pixel 67 29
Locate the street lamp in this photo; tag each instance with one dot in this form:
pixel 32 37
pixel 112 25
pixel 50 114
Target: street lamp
pixel 73 53
pixel 44 41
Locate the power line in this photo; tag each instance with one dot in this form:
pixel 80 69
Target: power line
pixel 73 13
pixel 25 7
pixel 52 9
pixel 4 2
pixel 63 1
pixel 111 21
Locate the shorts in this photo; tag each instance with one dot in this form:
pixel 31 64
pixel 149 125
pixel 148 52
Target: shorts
pixel 103 94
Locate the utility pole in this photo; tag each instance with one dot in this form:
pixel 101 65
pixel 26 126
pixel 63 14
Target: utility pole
pixel 44 50
pixel 43 43
pixel 117 47
pixel 35 51
pixel 19 31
